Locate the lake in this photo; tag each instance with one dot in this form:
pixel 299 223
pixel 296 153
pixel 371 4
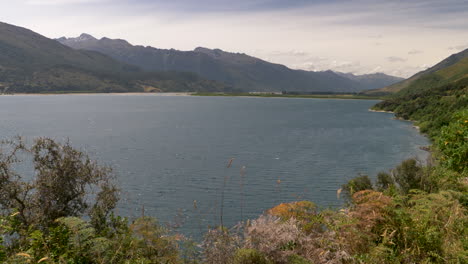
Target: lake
pixel 170 153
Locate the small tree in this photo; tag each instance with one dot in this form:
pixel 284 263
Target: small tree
pixel 384 181
pixel 357 184
pixel 65 182
pixel 409 175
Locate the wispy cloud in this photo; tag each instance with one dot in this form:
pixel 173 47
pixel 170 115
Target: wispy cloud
pixel 61 2
pixel 415 51
pixel 376 36
pixel 459 47
pixel 396 59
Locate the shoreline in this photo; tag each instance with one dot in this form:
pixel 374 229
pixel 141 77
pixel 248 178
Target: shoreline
pixel 303 96
pixel 341 97
pixel 401 119
pixel 381 111
pixel 87 93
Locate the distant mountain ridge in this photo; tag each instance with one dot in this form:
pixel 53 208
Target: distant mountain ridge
pixel 451 69
pixel 373 80
pixel 235 69
pixel 30 62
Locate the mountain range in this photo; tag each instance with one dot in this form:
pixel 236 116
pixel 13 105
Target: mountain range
pixel 239 70
pixel 30 62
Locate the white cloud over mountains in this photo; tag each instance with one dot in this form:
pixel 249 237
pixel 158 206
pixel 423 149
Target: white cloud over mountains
pixel 352 36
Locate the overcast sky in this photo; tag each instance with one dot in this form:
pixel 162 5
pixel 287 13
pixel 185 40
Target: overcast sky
pixel 396 37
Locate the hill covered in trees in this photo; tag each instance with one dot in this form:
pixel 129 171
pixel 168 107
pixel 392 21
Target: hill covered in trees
pixel 451 69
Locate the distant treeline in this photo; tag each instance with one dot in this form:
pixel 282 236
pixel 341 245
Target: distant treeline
pixel 316 93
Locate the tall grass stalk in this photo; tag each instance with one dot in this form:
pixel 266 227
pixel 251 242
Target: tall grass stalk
pixel 242 177
pixel 226 177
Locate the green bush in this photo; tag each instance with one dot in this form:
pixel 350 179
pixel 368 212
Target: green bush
pixel 249 256
pixel 411 175
pixel 453 142
pixel 384 181
pixel 357 184
pixel 2 250
pixel 295 259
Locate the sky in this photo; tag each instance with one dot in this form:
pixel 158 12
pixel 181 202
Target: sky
pixel 396 37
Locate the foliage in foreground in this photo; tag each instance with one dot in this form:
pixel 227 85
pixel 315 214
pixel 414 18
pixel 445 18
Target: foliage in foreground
pixel 42 218
pixel 386 226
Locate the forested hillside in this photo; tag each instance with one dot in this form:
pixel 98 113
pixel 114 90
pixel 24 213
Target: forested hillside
pixel 453 68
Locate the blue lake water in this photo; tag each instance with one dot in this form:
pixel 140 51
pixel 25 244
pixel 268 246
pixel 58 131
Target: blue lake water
pixel 169 151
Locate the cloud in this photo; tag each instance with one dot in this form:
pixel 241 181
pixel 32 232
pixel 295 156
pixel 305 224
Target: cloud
pixel 61 2
pixel 408 71
pixel 289 53
pixel 415 51
pixel 358 36
pixel 396 59
pixel 324 64
pixel 459 47
pixel 210 6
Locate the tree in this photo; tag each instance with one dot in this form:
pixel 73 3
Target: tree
pixel 357 184
pixel 384 181
pixel 64 182
pixel 409 175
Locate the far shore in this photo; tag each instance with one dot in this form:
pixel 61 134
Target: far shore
pixel 279 95
pixel 121 94
pixel 310 96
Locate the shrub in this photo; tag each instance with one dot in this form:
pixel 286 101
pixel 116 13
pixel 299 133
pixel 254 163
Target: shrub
pixel 295 259
pixel 423 228
pixel 384 181
pixel 2 250
pixel 409 175
pixel 357 184
pixel 63 177
pixel 152 243
pixel 275 238
pixel 282 240
pixel 249 256
pixel 302 210
pixel 453 142
pixel 369 213
pixel 438 223
pixel 219 246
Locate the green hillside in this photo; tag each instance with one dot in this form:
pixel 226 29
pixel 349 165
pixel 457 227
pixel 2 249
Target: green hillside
pixel 30 62
pixel 451 69
pixel 431 107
